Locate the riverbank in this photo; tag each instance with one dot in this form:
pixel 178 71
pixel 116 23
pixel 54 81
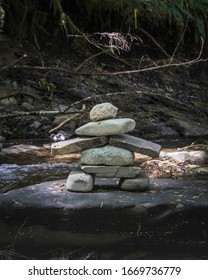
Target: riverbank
pixel 170 103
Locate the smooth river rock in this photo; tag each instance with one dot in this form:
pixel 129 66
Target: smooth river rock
pixel 112 171
pixel 135 144
pixel 79 181
pixel 103 111
pixel 107 127
pixel 77 144
pixel 107 155
pixel 138 184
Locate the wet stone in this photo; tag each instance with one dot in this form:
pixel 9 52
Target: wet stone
pixel 136 145
pixel 79 181
pixel 107 127
pixel 107 155
pixel 76 145
pixel 103 171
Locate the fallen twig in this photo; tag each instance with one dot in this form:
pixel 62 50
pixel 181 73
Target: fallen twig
pixel 181 38
pixel 154 41
pixel 64 122
pixel 33 113
pixel 119 73
pixel 13 63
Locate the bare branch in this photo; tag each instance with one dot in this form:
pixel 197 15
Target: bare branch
pixel 13 63
pixel 119 73
pixel 154 41
pixel 114 41
pixel 87 60
pixel 179 42
pixel 64 122
pixel 33 113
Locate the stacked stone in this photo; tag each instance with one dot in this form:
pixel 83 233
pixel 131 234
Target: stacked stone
pixel 107 151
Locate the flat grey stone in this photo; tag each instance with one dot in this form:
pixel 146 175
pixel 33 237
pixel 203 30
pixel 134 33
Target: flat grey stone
pixel 138 184
pixel 112 171
pixel 103 111
pixel 136 145
pixel 79 181
pixel 107 155
pixel 76 145
pixel 107 127
pixel 20 175
pixel 173 211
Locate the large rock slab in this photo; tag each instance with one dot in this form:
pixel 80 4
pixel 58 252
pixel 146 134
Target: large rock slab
pixel 107 127
pixel 172 212
pixel 103 111
pixel 112 171
pixel 77 144
pixel 16 176
pixel 136 145
pixel 79 181
pixel 24 154
pixel 107 155
pixel 138 184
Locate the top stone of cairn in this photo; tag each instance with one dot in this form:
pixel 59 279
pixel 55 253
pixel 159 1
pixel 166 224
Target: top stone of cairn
pixel 103 111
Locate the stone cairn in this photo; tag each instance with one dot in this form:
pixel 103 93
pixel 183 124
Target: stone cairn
pixel 106 151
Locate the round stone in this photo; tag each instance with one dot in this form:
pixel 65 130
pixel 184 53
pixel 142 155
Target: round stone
pixel 103 111
pixel 137 184
pixel 107 155
pixel 79 181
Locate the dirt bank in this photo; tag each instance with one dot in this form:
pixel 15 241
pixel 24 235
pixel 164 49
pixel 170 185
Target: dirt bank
pixel 168 103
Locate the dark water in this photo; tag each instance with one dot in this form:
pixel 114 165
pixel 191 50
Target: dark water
pixel 121 252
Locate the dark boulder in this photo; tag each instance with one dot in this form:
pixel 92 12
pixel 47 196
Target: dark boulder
pixel 46 214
